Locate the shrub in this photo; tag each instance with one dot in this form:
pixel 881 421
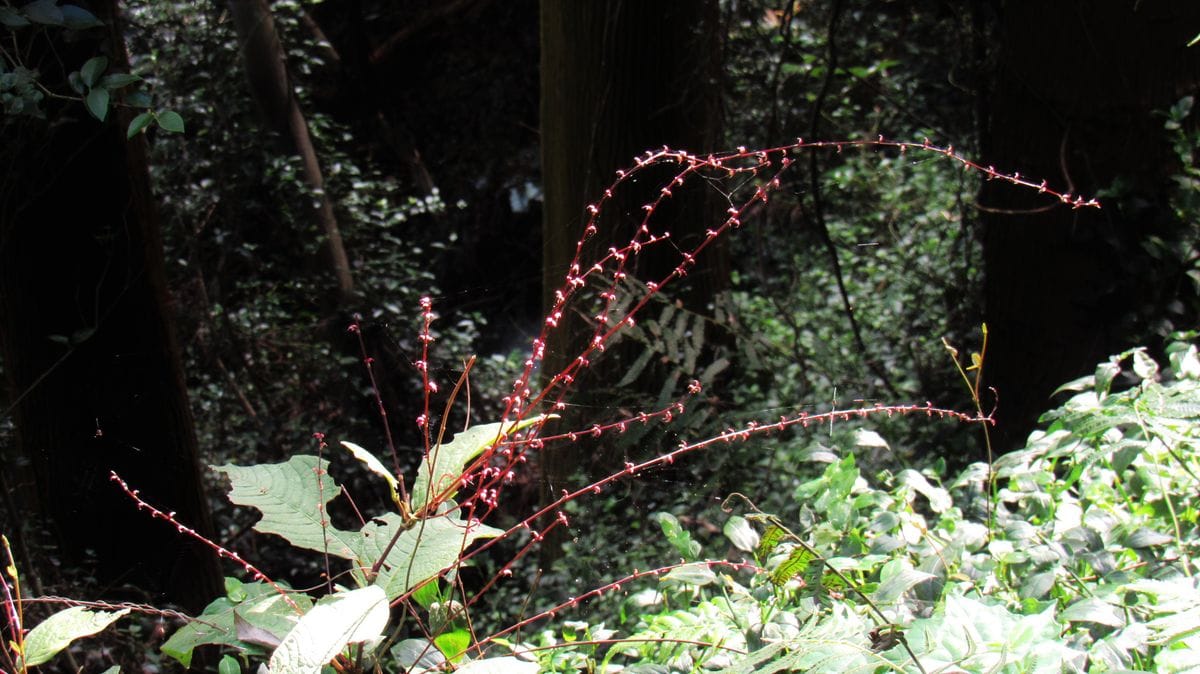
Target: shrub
pixel 857 557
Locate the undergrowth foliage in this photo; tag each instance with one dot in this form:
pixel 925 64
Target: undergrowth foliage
pixel 908 575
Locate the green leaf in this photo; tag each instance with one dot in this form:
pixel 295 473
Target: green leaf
pixel 169 120
pixel 898 577
pixel 344 618
pixel 58 631
pixel 97 103
pixel 1093 610
pixel 118 80
pixel 78 18
pixel 76 83
pixel 421 551
pixel 11 19
pixel 698 575
pixel 262 607
pixel 292 502
pixel 93 69
pixel 44 12
pixel 138 99
pixel 795 564
pixel 678 536
pixel 770 539
pixel 375 466
pixel 453 644
pixel 229 665
pixel 444 465
pixel 138 124
pixel 740 532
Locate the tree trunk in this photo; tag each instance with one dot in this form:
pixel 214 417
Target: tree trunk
pixel 619 78
pixel 1074 101
pixel 92 364
pixel 266 70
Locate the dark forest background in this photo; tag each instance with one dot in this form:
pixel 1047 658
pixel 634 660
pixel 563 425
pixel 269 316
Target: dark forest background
pixel 181 299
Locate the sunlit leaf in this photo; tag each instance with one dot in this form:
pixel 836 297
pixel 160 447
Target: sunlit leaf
pixel 57 632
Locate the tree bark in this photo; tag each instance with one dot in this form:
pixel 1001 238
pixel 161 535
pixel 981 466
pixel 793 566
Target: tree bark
pixel 271 86
pixel 619 78
pixel 1074 101
pixel 92 365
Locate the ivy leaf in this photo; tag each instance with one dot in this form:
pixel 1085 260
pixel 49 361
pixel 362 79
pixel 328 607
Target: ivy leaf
pixel 44 12
pixel 57 632
pixel 92 69
pixel 78 18
pixel 169 120
pixel 97 103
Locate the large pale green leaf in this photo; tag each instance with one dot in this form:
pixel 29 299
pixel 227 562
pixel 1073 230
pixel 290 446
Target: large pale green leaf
pixel 292 503
pixel 58 631
pixel 422 551
pixel 344 618
pixel 257 604
pixel 444 465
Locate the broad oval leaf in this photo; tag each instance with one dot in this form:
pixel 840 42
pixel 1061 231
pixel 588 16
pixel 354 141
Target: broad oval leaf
pixel 92 69
pixel 741 533
pixel 118 80
pixel 44 12
pixel 344 618
pixel 169 120
pixel 139 124
pixel 58 631
pixel 78 18
pixel 97 103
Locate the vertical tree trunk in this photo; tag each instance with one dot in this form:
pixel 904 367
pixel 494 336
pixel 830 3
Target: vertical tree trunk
pixel 89 356
pixel 1074 101
pixel 619 78
pixel 266 69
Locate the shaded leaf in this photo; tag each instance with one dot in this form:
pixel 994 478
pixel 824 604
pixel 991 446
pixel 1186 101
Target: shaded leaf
pixel 139 124
pixel 262 607
pixel 78 18
pixel 44 12
pixel 169 120
pixel 97 103
pixel 93 69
